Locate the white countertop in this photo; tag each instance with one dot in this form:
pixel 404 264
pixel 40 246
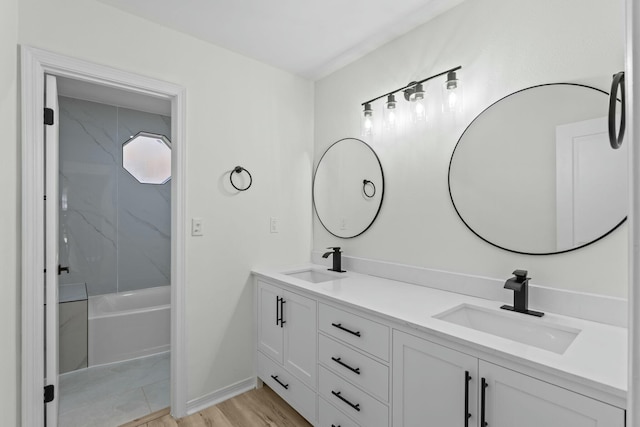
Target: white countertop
pixel 597 358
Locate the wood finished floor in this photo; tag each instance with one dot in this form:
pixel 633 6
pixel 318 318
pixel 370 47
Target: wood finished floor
pixel 256 408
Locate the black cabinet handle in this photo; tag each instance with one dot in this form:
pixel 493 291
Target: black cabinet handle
pixel 282 321
pixel 339 396
pixel 341 363
pixel 275 378
pixel 483 402
pixel 333 425
pixel 467 415
pixel 280 311
pixel 342 328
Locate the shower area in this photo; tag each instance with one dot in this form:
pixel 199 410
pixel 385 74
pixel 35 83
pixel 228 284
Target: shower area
pixel 115 262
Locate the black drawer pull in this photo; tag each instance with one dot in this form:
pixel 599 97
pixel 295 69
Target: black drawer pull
pixel 286 386
pixel 338 395
pixel 342 328
pixel 333 425
pixel 341 363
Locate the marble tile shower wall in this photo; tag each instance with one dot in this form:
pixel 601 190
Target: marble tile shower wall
pixel 115 233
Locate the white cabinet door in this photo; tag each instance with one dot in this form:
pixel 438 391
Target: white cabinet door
pixel 300 337
pixel 513 399
pixel 432 385
pixel 270 332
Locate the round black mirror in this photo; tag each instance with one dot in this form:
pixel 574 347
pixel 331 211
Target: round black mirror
pixel 348 188
pixel 534 173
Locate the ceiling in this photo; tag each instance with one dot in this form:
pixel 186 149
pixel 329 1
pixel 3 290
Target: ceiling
pixel 310 38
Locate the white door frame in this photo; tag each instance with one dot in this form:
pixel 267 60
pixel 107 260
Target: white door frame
pixel 35 64
pixel 51 248
pixel 632 75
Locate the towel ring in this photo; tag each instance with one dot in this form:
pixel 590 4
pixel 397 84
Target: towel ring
pixel 238 170
pixel 616 139
pixel 364 188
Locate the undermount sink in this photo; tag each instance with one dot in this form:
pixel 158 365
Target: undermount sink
pixel 516 327
pixel 313 276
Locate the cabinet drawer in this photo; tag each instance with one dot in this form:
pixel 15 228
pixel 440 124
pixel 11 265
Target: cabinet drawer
pixel 331 417
pixel 365 334
pixel 301 398
pixel 364 409
pixel 359 369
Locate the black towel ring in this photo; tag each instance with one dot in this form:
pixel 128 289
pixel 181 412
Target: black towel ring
pixel 240 169
pixel 616 139
pixel 364 188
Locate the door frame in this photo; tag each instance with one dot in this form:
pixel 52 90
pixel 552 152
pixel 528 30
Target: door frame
pixel 35 63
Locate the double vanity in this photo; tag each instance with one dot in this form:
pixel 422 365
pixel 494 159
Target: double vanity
pixel 349 349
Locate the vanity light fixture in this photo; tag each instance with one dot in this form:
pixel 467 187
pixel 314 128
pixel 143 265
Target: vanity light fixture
pixel 414 92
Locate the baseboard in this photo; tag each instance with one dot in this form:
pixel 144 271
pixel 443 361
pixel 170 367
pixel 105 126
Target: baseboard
pixel 597 308
pixel 213 398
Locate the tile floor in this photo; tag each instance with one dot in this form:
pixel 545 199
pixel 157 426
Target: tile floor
pixel 108 396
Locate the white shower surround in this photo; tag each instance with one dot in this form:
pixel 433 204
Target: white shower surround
pixel 128 325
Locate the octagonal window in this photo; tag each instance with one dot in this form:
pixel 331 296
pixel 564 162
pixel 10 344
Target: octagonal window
pixel 147 157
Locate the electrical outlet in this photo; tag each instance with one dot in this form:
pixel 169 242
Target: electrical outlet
pixel 274 225
pixel 196 227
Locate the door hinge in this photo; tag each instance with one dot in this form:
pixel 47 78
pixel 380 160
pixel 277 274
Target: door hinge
pixel 48 393
pixel 48 116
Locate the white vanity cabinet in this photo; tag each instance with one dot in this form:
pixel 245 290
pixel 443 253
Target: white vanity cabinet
pixel 432 384
pixel 445 387
pixel 287 345
pixel 344 362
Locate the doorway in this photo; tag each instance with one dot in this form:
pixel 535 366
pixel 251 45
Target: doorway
pixel 114 243
pixel 37 167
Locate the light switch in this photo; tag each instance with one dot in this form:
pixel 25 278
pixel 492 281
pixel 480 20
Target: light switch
pixel 196 227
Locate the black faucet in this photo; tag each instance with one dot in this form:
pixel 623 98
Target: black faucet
pixel 337 259
pixel 520 287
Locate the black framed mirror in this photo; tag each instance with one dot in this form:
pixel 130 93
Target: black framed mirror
pixel 534 172
pixel 348 188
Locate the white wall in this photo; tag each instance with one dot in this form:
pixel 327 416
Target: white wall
pixel 239 112
pixel 9 214
pixel 503 46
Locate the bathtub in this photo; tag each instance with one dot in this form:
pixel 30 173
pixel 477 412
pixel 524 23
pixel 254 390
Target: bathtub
pixel 128 325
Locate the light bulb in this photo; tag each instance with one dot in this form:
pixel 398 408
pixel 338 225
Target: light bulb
pixel 390 113
pixel 452 94
pixel 419 112
pixel 418 109
pixel 452 100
